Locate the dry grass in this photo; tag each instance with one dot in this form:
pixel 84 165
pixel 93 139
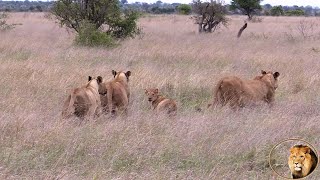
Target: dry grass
pixel 40 64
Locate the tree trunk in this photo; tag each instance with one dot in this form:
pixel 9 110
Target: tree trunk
pixel 201 24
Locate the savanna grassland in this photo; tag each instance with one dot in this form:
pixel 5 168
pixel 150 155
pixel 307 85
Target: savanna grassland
pixel 40 65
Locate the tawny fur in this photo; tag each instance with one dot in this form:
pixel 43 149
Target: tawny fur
pixel 239 93
pixel 84 101
pixel 115 94
pixel 302 161
pixel 160 103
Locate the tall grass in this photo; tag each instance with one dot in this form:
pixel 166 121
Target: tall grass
pixel 40 64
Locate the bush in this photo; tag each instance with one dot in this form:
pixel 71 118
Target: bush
pixel 277 11
pixel 90 36
pixel 297 12
pixel 102 17
pixel 184 9
pixel 126 27
pixel 157 10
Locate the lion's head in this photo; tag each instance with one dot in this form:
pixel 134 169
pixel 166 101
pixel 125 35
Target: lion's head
pixel 152 94
pixel 302 161
pixel 270 77
pixel 94 82
pixel 120 75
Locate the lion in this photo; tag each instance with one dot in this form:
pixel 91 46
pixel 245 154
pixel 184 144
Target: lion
pixel 115 94
pixel 160 103
pixel 239 93
pixel 302 161
pixel 84 101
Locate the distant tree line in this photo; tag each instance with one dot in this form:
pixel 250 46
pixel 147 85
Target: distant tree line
pixel 267 10
pixel 25 6
pixel 160 7
pixel 155 8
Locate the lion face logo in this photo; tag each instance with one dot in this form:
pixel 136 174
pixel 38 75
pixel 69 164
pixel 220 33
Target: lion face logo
pixel 302 161
pixel 298 158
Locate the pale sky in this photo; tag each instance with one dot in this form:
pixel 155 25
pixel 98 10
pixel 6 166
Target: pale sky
pixel 272 2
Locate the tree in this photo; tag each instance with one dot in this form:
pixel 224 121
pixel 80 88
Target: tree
pixel 267 6
pixel 145 7
pixel 39 8
pixel 309 11
pixel 157 10
pixel 124 1
pixel 103 15
pixel 277 11
pixel 247 7
pixel 209 16
pixel 184 9
pixel 31 8
pixel 296 12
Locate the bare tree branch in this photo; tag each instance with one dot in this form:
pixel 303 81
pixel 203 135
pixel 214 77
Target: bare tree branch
pixel 242 29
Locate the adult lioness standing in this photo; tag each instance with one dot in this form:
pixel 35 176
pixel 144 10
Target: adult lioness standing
pixel 238 93
pixel 115 94
pixel 84 101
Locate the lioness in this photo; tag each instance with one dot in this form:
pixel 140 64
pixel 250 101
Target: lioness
pixel 160 103
pixel 302 161
pixel 83 101
pixel 238 93
pixel 115 94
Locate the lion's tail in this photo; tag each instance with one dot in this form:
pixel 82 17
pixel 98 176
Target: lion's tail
pixel 217 95
pixel 172 109
pixel 109 98
pixel 68 108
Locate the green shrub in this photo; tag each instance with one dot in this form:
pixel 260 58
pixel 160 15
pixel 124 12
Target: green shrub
pixel 90 36
pixel 297 12
pixel 277 11
pixel 105 17
pixel 184 9
pixel 125 27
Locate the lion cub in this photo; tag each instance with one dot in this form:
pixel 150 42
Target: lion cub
pixel 160 103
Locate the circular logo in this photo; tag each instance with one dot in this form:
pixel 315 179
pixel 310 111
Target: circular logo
pixel 293 158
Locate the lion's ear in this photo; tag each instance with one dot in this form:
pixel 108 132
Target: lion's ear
pixel 308 150
pixel 145 91
pixel 276 75
pixel 263 72
pixel 90 78
pixel 128 73
pixel 156 90
pixel 99 79
pixel 114 73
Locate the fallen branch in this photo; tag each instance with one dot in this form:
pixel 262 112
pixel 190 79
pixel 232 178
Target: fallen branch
pixel 241 29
